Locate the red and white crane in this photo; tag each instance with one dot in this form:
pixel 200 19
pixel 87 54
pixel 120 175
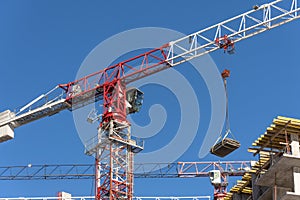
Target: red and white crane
pixel 217 171
pixel 157 170
pixel 113 143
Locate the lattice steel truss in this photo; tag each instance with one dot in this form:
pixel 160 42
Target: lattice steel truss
pixel 113 146
pixel 248 24
pixel 114 163
pixel 142 170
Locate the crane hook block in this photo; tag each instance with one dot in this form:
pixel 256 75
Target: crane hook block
pixel 225 74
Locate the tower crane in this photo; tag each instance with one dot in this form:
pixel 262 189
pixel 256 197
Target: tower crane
pixel 218 172
pixel 113 144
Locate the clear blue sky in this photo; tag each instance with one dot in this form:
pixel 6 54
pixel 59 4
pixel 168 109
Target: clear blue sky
pixel 43 43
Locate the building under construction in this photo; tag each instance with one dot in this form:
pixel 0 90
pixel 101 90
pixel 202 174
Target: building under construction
pixel 276 175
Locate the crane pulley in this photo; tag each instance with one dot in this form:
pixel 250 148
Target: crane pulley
pixel 226 43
